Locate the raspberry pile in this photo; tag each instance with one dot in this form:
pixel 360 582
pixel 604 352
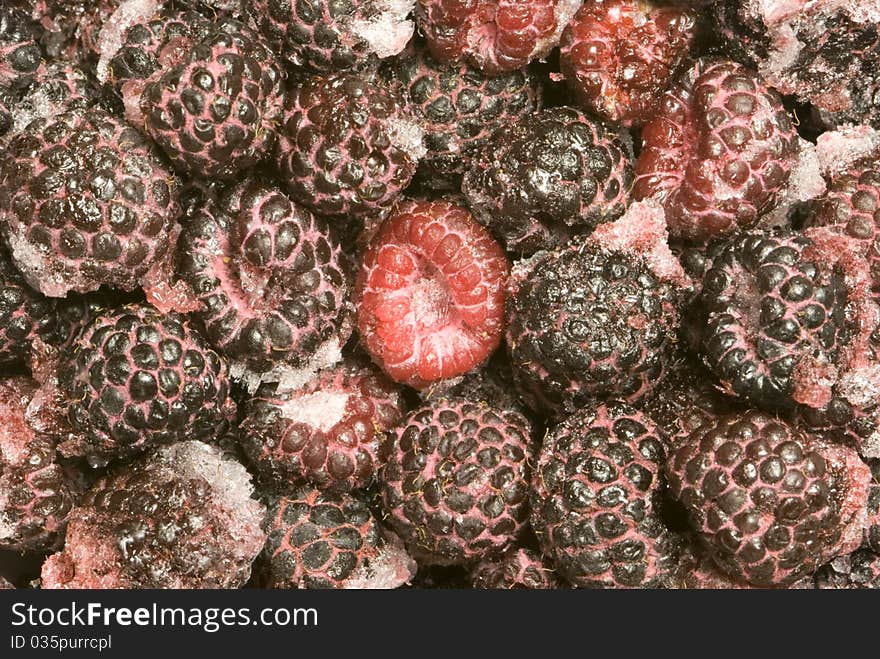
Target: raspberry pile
pixel 494 294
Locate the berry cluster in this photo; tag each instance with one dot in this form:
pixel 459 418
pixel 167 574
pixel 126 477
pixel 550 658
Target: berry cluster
pixel 440 293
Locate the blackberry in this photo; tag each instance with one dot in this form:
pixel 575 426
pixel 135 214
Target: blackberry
pixel 136 378
pixel 761 496
pixel 595 496
pixel 586 323
pixel 19 53
pixel 272 281
pixel 861 569
pixel 872 528
pixel 85 201
pixel 321 540
pixel 326 432
pixel 181 517
pixel 454 485
pixel 27 316
pixel 347 146
pixel 35 492
pixel 325 36
pixel 826 54
pixel 619 56
pixel 517 569
pixel 775 305
pixel 459 107
pixel 553 175
pixel 851 205
pixel 215 113
pixel 719 152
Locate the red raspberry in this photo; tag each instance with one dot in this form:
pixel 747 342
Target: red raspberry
pixel 430 293
pixel 718 153
pixel 618 56
pixel 496 35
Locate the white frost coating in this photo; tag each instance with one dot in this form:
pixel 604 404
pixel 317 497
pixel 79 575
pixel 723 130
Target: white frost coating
pixel 861 386
pixel 231 488
pixel 112 36
pixel 32 263
pixel 839 149
pixel 392 568
pixel 389 29
pixel 321 410
pixel 407 136
pixel 804 183
pixel 327 355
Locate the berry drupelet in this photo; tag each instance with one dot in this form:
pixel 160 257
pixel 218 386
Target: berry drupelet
pixel 517 569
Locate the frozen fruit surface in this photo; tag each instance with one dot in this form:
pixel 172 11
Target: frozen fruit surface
pixel 594 499
pixel 826 53
pixel 760 495
pixel 586 323
pixel 215 113
pixel 322 540
pixel 135 378
pixel 182 517
pixel 19 53
pixel 326 432
pixel 454 485
pixel 272 282
pixel 459 107
pixel 551 176
pixel 347 145
pixel 430 293
pixel 718 152
pixel 85 201
pixel 324 36
pixel 517 569
pixel 36 494
pixel 495 35
pixel 618 57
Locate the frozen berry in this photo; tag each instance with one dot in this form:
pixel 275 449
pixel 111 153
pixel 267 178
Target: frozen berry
pixel 459 107
pixel 824 53
pixel 718 152
pixel 595 319
pixel 495 35
pixel 35 492
pixel 347 146
pixel 861 569
pixel 553 175
pixel 455 482
pixel 430 293
pixel 783 317
pixel 619 56
pixel 322 540
pixel 272 281
pixel 85 202
pixel 517 569
pixel 760 494
pixel 181 517
pixel 326 432
pixel 595 496
pixel 215 113
pixel 135 378
pixel 325 35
